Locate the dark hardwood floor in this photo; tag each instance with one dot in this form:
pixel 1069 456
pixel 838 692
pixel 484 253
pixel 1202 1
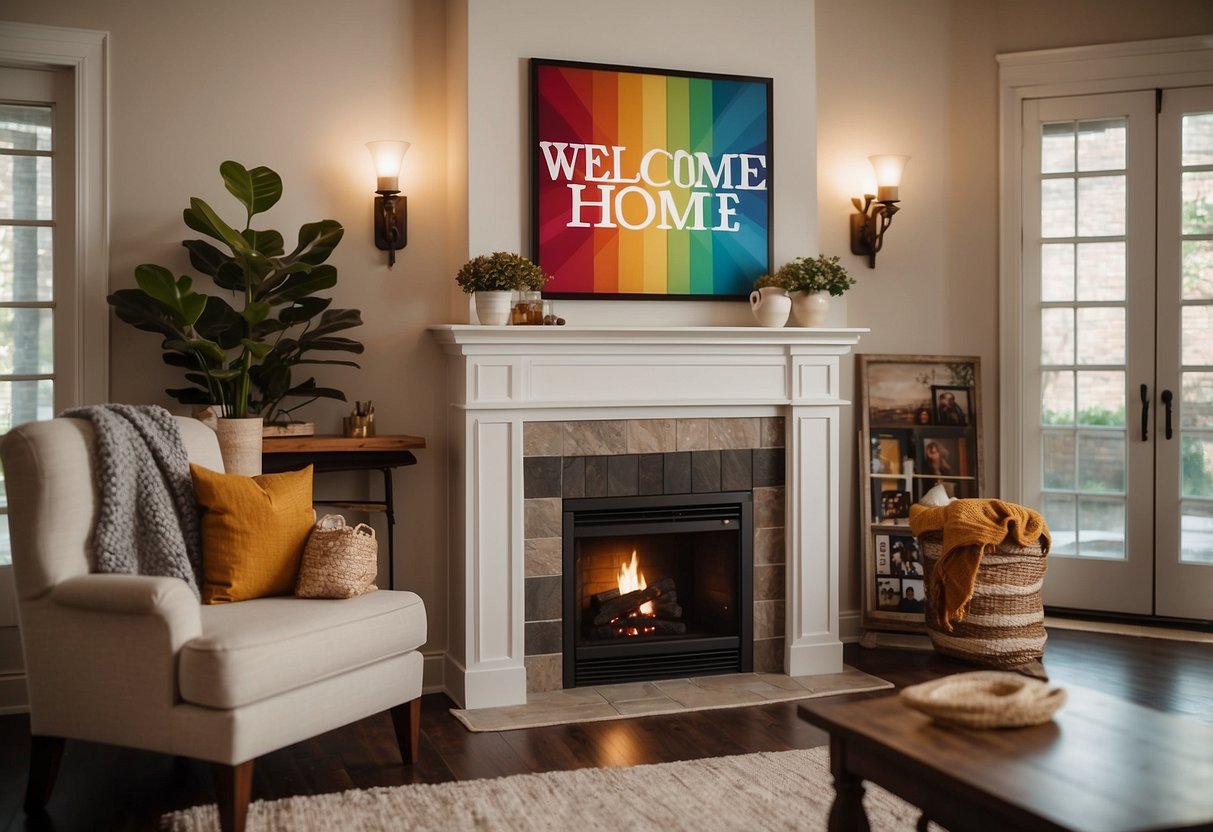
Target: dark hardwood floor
pixel 103 787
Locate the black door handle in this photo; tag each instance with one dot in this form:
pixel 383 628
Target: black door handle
pixel 1167 397
pixel 1145 413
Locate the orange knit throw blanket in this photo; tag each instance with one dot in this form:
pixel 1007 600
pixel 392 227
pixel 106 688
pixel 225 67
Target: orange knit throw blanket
pixel 971 528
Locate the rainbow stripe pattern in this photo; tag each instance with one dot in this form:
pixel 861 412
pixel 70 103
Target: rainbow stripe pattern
pixel 649 184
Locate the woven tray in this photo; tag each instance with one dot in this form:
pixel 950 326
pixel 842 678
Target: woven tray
pixel 985 699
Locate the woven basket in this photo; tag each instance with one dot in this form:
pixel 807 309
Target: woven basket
pixel 1004 626
pixel 338 561
pixel 986 699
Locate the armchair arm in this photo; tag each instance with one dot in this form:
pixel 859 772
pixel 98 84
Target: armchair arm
pixel 101 652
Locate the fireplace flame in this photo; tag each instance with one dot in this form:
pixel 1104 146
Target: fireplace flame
pixel 632 579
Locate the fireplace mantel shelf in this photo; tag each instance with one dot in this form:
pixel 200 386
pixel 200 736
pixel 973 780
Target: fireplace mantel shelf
pixel 502 377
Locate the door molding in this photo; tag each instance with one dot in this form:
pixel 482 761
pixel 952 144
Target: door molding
pixel 1083 70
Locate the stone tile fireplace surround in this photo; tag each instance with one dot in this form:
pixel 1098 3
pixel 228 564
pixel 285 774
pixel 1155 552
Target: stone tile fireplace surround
pixel 541 413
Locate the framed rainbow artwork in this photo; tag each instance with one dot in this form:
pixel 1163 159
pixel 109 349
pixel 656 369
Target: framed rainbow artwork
pixel 649 183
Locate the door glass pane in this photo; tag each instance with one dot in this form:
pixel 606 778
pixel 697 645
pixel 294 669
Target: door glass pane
pixel 25 401
pixel 1101 528
pixel 1057 398
pixel 1101 145
pixel 1197 459
pixel 1197 139
pixel 25 127
pixel 1198 269
pixel 1101 398
pixel 29 197
pixel 1197 337
pixel 1101 271
pixel 1060 514
pixel 1057 272
pixel 1057 208
pixel 25 263
pixel 27 343
pixel 1057 448
pixel 1196 532
pixel 1101 206
pixel 1057 147
pixel 1101 462
pixel 1057 336
pixel 1197 194
pixel 1101 335
pixel 1196 400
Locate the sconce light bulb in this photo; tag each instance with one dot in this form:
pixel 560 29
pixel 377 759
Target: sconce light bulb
pixel 388 157
pixel 888 169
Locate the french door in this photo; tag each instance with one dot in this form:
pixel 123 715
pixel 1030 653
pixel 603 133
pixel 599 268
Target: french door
pixel 1117 199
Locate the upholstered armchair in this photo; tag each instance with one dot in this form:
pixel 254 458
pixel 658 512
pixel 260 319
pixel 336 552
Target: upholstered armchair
pixel 137 661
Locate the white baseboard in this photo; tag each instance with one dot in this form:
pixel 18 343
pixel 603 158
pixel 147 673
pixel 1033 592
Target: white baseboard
pixel 433 674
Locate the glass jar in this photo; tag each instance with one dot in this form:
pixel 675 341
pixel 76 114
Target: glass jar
pixel 528 310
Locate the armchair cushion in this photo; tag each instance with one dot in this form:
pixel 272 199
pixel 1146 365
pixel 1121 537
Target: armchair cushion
pixel 253 532
pixel 261 648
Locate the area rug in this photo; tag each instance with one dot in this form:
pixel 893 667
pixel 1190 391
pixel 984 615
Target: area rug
pixel 779 790
pixel 668 696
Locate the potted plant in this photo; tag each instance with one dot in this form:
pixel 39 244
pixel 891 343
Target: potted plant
pixel 810 283
pixel 492 278
pixel 240 357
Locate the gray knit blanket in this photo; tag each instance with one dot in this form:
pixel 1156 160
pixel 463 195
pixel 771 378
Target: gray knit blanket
pixel 147 520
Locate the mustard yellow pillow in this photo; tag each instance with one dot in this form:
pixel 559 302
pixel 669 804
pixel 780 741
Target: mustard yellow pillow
pixel 253 532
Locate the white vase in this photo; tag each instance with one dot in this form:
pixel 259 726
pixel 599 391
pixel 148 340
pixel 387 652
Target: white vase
pixel 770 305
pixel 493 308
pixel 240 445
pixel 810 308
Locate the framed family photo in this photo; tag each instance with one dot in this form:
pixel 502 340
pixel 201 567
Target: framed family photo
pixel 920 428
pixel 649 183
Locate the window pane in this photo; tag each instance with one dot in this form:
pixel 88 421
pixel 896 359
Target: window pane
pixel 1197 193
pixel 30 195
pixel 1057 147
pixel 1196 400
pixel 1101 271
pixel 1101 462
pixel 1197 269
pixel 1057 465
pixel 1101 206
pixel 1101 145
pixel 1101 335
pixel 1057 398
pixel 1197 335
pixel 1101 398
pixel 1197 454
pixel 1101 528
pixel 1057 336
pixel 25 401
pixel 1060 513
pixel 1196 533
pixel 26 343
pixel 25 127
pixel 1057 272
pixel 1057 208
pixel 6 550
pixel 25 264
pixel 1198 139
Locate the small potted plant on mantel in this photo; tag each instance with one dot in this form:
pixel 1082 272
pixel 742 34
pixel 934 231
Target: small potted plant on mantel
pixel 493 278
pixel 810 283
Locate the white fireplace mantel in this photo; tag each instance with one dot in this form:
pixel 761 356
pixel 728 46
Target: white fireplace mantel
pixel 500 377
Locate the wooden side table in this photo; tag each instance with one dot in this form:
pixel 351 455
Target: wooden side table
pixel 345 453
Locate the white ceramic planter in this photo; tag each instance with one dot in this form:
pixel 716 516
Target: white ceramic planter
pixel 493 308
pixel 810 309
pixel 240 445
pixel 771 306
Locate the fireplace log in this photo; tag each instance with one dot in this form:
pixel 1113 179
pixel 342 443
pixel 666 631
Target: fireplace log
pixel 616 607
pixel 655 626
pixel 597 599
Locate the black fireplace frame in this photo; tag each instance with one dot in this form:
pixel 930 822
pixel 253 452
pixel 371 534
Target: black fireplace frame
pixel 660 658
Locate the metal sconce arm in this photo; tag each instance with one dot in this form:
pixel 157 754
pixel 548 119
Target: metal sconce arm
pixel 868 226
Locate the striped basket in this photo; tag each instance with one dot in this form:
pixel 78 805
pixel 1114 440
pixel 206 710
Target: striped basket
pixel 1004 626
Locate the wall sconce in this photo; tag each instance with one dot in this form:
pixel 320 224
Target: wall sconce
pixel 877 210
pixel 391 209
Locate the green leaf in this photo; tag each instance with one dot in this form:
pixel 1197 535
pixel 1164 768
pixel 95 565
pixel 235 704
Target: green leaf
pixel 316 242
pixel 257 189
pixel 256 311
pixel 302 284
pixel 133 306
pixel 342 344
pixel 259 349
pixel 190 395
pixel 231 276
pixel 267 243
pixel 175 295
pixel 208 350
pixel 304 309
pixel 205 257
pixel 220 323
pixel 335 320
pixel 203 219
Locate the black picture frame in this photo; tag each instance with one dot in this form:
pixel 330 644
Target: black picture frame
pixel 950 405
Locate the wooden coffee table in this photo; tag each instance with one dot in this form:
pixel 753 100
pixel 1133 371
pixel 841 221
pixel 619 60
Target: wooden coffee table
pixel 1101 765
